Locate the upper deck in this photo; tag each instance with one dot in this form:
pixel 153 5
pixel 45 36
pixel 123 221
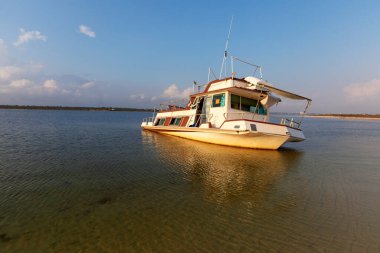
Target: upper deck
pixel 222 100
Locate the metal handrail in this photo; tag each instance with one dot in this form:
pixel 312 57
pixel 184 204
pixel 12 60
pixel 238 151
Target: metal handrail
pixel 149 119
pixel 292 122
pixel 174 104
pixel 243 115
pixel 210 115
pixel 250 116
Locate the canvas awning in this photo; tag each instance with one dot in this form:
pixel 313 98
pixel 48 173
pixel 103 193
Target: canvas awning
pixel 269 87
pixel 268 101
pixel 283 93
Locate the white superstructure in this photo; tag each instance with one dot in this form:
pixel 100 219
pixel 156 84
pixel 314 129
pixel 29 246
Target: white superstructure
pixel 233 112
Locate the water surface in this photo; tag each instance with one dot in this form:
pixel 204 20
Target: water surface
pixel 74 181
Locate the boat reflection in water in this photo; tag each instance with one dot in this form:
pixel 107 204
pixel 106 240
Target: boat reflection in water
pixel 227 174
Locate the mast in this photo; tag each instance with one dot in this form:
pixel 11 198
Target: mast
pixel 225 51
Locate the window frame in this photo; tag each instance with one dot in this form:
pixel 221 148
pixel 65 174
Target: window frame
pixel 175 121
pixel 172 120
pixel 222 99
pixel 159 121
pixel 259 109
pixel 232 101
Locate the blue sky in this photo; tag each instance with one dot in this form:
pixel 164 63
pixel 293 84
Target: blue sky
pixel 136 53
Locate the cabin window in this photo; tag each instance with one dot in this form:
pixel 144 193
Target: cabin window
pixel 161 122
pixel 262 110
pixel 235 102
pixel 247 104
pixel 218 100
pixel 177 121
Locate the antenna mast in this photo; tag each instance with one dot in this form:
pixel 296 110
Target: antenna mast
pixel 225 51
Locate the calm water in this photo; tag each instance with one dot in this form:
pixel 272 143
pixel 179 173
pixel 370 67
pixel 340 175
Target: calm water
pixel 74 181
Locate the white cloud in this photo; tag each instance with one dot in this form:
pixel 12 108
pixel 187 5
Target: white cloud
pixel 173 92
pixel 86 31
pixel 8 72
pixel 26 36
pixel 65 92
pixel 88 85
pixel 23 82
pixel 137 96
pixel 50 85
pixel 20 83
pixel 363 91
pixel 12 72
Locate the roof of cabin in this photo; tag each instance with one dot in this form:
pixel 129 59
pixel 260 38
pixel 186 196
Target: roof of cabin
pixel 224 79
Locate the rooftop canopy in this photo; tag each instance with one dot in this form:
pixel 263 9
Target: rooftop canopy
pixel 269 87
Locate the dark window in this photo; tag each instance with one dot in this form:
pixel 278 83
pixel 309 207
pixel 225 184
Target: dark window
pixel 262 110
pixel 177 121
pixel 235 102
pixel 253 127
pixel 218 100
pixel 247 104
pixel 161 122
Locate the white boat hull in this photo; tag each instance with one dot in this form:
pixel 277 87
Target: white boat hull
pixel 245 139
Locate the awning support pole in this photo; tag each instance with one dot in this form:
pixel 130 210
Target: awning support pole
pixel 304 112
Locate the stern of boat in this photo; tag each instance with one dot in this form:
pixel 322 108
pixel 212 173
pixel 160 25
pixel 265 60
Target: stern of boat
pixel 295 135
pixel 147 122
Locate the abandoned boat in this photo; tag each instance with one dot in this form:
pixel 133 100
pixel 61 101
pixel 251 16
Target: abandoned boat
pixel 231 111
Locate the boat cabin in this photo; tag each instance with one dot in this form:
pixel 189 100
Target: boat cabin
pixel 223 100
pixel 233 112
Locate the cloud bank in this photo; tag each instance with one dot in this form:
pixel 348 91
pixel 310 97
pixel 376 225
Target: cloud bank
pixel 367 91
pixel 86 31
pixel 26 83
pixel 26 36
pixel 140 96
pixel 173 92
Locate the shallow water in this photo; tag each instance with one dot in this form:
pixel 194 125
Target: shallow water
pixel 73 181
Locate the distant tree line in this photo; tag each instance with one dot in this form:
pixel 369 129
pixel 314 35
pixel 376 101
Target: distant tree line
pixel 73 108
pixel 344 115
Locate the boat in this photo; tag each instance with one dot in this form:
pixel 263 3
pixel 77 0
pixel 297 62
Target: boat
pixel 231 111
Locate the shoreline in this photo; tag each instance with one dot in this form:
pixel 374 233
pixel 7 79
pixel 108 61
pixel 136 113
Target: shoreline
pixel 72 108
pixel 346 116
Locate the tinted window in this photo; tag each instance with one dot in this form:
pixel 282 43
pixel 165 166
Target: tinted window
pixel 177 121
pixel 253 127
pixel 218 100
pixel 235 102
pixel 247 104
pixel 161 122
pixel 172 121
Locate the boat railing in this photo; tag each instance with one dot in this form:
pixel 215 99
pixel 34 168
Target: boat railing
pixel 174 104
pixel 241 115
pixel 148 120
pixel 290 122
pixel 201 116
pixel 251 116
